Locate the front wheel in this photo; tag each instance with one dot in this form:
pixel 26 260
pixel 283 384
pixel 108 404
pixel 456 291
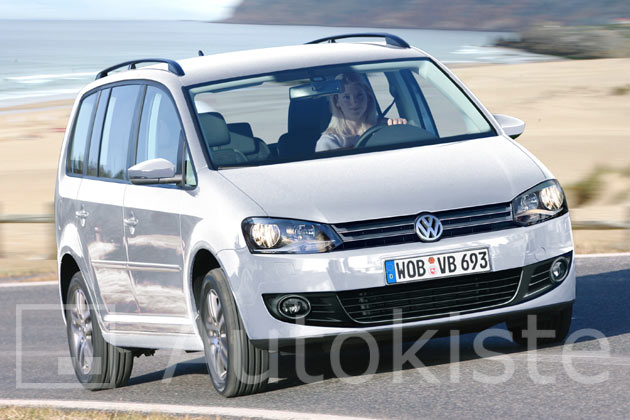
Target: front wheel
pixel 552 327
pixel 97 364
pixel 235 366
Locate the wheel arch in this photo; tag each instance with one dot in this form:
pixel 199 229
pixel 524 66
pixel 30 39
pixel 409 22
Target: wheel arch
pixel 202 262
pixel 67 268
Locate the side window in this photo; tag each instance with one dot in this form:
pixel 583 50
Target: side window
pixel 80 134
pixel 95 142
pixel 453 112
pixel 161 133
pixel 117 131
pixel 380 86
pixel 190 179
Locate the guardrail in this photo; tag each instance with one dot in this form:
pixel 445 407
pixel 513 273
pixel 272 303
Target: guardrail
pixel 597 225
pixel 27 218
pixel 51 248
pixel 49 218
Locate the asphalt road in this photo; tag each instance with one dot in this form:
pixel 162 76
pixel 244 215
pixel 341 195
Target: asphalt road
pixel 595 382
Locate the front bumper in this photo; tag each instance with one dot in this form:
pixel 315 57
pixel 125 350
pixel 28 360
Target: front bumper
pixel 252 276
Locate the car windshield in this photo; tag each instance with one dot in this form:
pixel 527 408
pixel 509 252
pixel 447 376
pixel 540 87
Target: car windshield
pixel 332 111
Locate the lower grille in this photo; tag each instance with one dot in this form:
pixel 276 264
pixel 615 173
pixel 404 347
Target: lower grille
pixel 540 280
pixel 431 298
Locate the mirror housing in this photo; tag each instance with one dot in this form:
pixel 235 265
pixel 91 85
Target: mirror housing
pixel 154 171
pixel 316 89
pixel 513 127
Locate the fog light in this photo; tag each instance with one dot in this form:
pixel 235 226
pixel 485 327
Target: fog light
pixel 294 307
pixel 559 269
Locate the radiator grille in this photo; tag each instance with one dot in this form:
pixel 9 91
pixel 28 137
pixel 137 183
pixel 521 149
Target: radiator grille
pixel 398 230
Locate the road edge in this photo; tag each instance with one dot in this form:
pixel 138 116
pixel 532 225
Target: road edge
pixel 174 409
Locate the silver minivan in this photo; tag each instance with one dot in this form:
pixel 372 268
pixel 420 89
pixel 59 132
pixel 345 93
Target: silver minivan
pixel 199 206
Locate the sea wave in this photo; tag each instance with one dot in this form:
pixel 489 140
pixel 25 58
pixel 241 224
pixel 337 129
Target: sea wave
pixel 51 77
pixel 13 98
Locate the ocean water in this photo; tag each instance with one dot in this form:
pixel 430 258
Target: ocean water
pixel 42 60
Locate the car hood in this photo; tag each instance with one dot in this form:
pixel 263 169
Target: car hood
pixel 391 183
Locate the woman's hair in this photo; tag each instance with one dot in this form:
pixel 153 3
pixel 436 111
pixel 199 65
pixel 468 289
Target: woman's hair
pixel 338 125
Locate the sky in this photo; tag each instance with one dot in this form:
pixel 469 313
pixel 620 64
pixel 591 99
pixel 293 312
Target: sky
pixel 117 9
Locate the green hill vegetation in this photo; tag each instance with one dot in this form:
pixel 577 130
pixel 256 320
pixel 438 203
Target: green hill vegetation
pixel 486 15
pixel 609 41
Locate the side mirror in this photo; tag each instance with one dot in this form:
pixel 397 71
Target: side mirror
pixel 154 171
pixel 513 127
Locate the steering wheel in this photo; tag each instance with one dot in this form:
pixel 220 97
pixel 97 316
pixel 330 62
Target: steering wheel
pixel 385 135
pixel 369 133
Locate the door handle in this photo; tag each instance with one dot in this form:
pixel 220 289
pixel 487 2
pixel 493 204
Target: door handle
pixel 132 221
pixel 81 214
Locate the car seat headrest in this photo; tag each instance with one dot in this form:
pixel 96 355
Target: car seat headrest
pixel 309 114
pixel 214 128
pixel 242 128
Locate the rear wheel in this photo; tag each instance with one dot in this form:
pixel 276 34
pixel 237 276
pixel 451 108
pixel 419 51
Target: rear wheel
pixel 97 364
pixel 558 322
pixel 235 366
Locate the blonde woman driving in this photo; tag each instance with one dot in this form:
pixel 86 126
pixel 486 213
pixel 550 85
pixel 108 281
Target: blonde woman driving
pixel 353 113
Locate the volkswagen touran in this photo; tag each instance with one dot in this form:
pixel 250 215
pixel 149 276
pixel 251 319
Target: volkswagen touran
pixel 240 203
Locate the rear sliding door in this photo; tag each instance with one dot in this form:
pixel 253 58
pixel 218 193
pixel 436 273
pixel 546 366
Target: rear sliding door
pixel 100 199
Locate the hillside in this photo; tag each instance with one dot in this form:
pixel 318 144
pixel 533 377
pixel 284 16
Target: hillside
pixel 487 15
pixel 608 41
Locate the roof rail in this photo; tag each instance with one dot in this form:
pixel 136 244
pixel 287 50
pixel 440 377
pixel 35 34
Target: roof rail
pixel 173 66
pixel 389 38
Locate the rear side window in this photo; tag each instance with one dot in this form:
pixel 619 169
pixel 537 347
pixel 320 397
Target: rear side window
pixel 80 134
pixel 160 134
pixel 117 131
pixel 95 142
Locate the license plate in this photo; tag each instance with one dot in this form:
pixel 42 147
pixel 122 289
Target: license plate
pixel 429 267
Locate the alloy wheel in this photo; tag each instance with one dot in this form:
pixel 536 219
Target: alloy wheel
pixel 81 327
pixel 214 323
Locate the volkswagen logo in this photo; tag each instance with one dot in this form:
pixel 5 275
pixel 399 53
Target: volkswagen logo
pixel 428 228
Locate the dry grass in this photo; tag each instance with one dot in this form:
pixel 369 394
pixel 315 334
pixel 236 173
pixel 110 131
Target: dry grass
pixel 621 90
pixel 26 413
pixel 589 188
pixel 19 269
pixel 585 190
pixel 601 241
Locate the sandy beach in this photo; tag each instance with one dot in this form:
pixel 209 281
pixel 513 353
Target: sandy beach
pixel 576 113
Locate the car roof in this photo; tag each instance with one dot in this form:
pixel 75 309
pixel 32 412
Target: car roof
pixel 237 64
pixel 268 60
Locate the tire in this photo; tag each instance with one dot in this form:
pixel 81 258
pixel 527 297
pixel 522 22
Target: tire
pixel 97 364
pixel 235 366
pixel 558 321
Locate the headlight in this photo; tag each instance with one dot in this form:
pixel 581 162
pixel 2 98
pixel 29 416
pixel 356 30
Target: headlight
pixel 540 203
pixel 285 236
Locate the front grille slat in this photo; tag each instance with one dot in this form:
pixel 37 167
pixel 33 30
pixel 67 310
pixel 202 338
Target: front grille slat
pixel 542 274
pixel 545 280
pixel 365 235
pixel 494 220
pixel 431 298
pixel 422 293
pixel 445 303
pixel 432 311
pixel 358 227
pixel 399 230
pixel 485 211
